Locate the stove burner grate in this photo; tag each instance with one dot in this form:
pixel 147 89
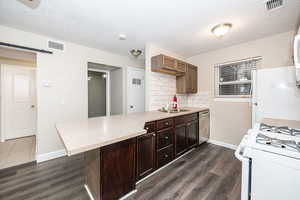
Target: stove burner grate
pixel 286 144
pixel 282 130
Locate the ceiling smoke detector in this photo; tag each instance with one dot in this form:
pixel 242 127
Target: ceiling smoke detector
pixel 31 3
pixel 136 52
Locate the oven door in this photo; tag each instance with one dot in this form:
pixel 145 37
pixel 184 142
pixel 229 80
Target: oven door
pixel 274 176
pixel 246 169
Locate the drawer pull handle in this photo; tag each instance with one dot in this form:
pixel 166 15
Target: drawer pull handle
pixel 167 123
pixel 166 155
pixel 147 128
pixel 166 137
pixel 153 134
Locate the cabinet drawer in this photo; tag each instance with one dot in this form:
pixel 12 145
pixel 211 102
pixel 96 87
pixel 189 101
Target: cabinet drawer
pixel 165 138
pixel 150 127
pixel 164 156
pixel 179 120
pixel 191 117
pixel 166 123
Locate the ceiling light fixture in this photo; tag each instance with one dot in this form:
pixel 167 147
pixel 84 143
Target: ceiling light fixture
pixel 31 3
pixel 136 52
pixel 221 29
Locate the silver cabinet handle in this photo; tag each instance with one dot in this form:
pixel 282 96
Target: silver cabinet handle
pixel 153 134
pixel 166 137
pixel 166 155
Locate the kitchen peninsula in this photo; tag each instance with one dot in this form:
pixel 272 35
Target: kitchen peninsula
pixel 122 149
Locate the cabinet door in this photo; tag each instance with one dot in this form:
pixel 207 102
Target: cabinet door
pixel 192 79
pixel 145 155
pixel 192 133
pixel 117 169
pixel 180 139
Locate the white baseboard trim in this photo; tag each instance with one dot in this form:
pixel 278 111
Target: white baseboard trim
pixel 128 194
pixel 49 156
pixel 88 191
pixel 223 144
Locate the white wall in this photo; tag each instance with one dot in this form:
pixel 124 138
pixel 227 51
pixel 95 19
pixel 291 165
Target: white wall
pixel 160 88
pixel 66 99
pixel 116 91
pixel 230 120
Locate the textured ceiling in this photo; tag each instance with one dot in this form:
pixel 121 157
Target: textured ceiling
pixel 182 26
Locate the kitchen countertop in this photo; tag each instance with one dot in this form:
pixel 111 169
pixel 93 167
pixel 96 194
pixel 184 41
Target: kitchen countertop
pixel 281 122
pixel 92 133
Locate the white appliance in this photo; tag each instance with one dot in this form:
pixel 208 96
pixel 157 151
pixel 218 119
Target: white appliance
pixel 270 159
pixel 297 57
pixel 275 94
pixel 270 155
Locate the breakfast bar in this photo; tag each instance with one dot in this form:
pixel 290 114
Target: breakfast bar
pixel 121 150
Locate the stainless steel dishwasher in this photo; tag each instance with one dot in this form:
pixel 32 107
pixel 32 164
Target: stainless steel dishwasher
pixel 204 126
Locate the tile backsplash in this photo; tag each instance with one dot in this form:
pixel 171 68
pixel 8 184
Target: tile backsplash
pixel 162 88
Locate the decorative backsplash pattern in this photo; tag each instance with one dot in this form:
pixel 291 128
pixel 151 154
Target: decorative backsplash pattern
pixel 162 87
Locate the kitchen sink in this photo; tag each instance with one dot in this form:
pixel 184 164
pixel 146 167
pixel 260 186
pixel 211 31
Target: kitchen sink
pixel 173 111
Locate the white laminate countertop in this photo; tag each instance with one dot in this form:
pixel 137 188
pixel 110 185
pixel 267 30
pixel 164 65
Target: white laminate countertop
pixel 282 122
pixel 92 133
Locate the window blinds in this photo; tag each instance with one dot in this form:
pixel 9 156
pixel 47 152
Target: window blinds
pixel 234 79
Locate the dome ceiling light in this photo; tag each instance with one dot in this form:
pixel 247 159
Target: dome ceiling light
pixel 221 29
pixel 136 52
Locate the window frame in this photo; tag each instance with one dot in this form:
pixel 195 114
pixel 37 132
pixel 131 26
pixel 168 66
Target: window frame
pixel 217 82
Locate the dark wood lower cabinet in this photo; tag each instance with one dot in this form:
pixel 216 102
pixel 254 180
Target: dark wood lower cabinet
pixel 145 155
pixel 180 139
pixel 112 171
pixel 165 156
pixel 117 169
pixel 165 137
pixel 192 132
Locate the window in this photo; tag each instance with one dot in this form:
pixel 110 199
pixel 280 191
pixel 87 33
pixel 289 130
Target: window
pixel 235 79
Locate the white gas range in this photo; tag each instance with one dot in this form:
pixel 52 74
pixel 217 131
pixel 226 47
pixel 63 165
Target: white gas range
pixel 270 156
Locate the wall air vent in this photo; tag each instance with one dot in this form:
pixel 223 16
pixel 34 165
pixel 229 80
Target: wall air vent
pixel 56 45
pixel 273 4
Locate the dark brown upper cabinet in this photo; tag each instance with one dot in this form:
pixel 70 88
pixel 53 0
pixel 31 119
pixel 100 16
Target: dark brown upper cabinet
pixel 188 83
pixel 186 74
pixel 167 65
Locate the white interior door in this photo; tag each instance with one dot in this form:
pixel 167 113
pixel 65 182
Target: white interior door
pixel 18 101
pixel 135 90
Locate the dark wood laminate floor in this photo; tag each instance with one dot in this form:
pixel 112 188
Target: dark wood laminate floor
pixel 208 173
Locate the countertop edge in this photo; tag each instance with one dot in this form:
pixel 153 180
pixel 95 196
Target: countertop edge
pixel 74 151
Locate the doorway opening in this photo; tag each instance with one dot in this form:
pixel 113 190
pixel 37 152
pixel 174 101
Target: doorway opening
pixel 18 108
pixel 105 90
pixel 98 93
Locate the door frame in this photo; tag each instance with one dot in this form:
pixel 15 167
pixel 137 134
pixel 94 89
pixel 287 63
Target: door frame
pixel 127 85
pixel 107 87
pixel 2 113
